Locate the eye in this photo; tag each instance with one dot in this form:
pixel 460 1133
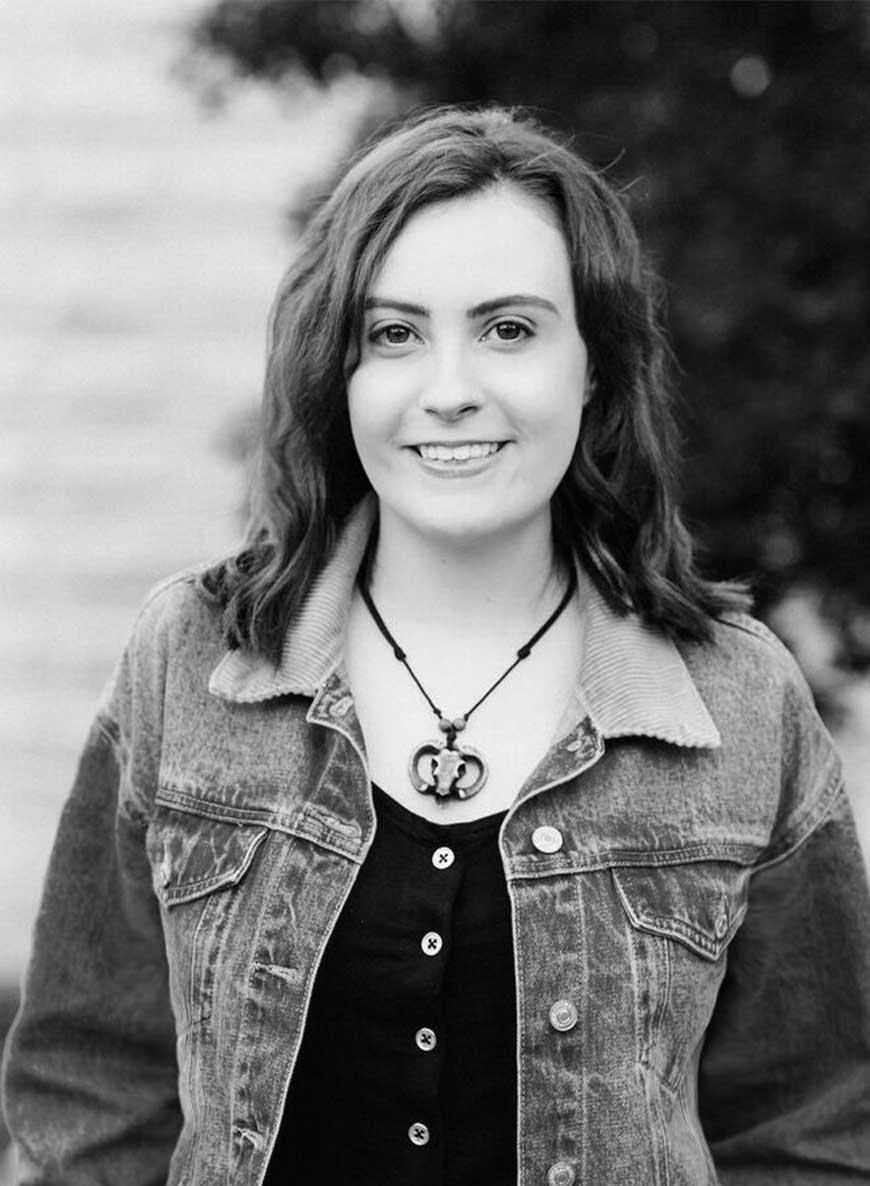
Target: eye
pixel 393 334
pixel 509 331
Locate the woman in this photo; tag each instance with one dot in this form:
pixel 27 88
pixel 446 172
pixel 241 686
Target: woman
pixel 455 831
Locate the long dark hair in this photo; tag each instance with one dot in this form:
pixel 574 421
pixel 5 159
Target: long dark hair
pixel 615 508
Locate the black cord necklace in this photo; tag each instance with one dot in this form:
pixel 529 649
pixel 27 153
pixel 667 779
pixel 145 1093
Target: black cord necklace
pixel 445 769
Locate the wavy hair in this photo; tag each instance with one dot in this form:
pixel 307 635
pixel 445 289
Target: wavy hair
pixel 615 509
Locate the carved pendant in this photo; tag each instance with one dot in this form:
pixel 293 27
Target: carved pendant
pixel 446 770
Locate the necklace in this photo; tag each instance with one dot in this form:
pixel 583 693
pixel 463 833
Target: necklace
pixel 444 768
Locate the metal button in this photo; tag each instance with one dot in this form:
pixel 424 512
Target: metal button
pixel 418 1134
pixel 560 1174
pixel 720 927
pixel 443 858
pixel 431 943
pixel 563 1016
pixel 425 1038
pixel 547 839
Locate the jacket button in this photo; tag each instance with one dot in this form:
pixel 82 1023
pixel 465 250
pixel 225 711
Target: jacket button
pixel 563 1017
pixel 425 1038
pixel 431 943
pixel 560 1174
pixel 720 926
pixel 443 858
pixel 547 839
pixel 418 1134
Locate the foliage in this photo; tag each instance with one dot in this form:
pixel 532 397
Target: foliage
pixel 740 134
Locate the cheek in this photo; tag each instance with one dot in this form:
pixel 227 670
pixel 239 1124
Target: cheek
pixel 360 428
pixel 565 442
pixel 371 414
pixel 548 392
pixel 361 407
pixel 559 417
pixel 572 385
pixel 558 427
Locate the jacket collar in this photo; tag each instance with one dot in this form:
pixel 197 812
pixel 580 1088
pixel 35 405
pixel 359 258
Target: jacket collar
pixel 633 682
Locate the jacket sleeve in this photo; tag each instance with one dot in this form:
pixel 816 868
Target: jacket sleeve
pixel 784 1077
pixel 89 1071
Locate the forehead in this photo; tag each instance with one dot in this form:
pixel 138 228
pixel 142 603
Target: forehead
pixel 498 241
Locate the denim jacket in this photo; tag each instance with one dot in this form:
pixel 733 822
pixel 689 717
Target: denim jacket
pixel 692 949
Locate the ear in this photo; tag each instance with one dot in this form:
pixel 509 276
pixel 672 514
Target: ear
pixel 351 359
pixel 590 386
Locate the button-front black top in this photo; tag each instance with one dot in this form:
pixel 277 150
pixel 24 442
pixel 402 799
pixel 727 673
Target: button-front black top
pixel 407 1072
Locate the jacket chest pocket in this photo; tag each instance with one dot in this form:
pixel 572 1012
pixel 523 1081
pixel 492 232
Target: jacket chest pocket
pixel 200 865
pixel 679 920
pixel 699 904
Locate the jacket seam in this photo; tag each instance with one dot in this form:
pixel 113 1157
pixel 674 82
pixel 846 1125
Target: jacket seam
pixel 259 818
pixel 185 576
pixel 738 854
pixel 804 828
pixel 110 731
pixel 746 624
pixel 109 728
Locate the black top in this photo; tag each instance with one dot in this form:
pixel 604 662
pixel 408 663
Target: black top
pixel 407 1072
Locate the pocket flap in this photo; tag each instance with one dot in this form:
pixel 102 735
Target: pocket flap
pixel 194 855
pixel 700 904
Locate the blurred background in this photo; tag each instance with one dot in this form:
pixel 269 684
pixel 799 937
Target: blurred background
pixel 158 161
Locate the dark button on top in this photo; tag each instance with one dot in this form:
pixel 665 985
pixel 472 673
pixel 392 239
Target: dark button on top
pixel 431 943
pixel 443 858
pixel 560 1174
pixel 425 1038
pixel 418 1134
pixel 563 1016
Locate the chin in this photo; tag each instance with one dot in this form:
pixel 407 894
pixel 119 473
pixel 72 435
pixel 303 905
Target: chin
pixel 467 526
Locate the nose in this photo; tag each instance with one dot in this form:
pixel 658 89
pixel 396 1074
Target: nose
pixel 450 391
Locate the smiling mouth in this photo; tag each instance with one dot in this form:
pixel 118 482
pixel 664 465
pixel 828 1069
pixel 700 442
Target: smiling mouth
pixel 464 452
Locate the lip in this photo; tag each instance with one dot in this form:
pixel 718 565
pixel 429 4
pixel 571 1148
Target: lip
pixel 457 443
pixel 458 469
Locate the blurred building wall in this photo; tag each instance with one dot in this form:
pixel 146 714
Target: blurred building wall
pixel 142 242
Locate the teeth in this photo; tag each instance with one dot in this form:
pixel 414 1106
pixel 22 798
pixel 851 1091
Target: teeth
pixel 457 452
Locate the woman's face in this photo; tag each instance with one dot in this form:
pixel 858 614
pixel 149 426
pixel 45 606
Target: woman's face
pixel 465 403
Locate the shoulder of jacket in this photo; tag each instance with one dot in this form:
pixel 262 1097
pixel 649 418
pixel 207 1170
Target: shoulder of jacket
pixel 177 585
pixel 176 641
pixel 175 622
pixel 749 644
pixel 747 676
pixel 747 624
pixel 175 602
pixel 754 682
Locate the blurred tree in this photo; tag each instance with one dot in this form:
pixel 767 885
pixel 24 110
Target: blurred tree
pixel 740 134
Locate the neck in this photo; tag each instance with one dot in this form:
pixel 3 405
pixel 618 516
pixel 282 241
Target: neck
pixel 484 585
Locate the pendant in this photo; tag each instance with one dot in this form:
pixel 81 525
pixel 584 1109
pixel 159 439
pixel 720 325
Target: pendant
pixel 445 769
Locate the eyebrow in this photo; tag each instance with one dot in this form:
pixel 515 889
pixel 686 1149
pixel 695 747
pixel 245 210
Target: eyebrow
pixel 481 310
